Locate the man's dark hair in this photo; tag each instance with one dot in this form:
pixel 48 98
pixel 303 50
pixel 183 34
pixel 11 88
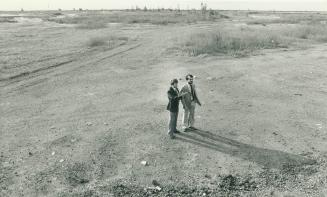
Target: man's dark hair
pixel 173 81
pixel 188 76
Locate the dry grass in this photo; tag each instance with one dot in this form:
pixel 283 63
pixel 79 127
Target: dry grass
pixel 264 18
pixel 107 42
pixel 241 41
pixel 7 20
pixel 92 24
pixel 314 32
pixel 237 42
pixel 99 19
pixel 97 41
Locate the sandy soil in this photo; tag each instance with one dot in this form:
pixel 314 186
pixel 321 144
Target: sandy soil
pixel 78 121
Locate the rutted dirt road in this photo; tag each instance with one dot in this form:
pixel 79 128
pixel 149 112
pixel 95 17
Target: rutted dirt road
pixel 78 120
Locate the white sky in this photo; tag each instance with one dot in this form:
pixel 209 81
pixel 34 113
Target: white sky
pixel 290 5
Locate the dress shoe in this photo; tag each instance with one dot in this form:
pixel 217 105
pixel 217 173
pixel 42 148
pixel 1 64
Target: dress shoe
pixel 176 131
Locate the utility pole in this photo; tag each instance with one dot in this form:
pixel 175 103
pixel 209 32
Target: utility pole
pixel 49 5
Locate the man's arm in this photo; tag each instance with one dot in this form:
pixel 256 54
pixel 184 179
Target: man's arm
pixel 171 96
pixel 181 94
pixel 197 98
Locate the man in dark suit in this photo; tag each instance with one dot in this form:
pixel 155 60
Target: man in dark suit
pixel 189 101
pixel 173 107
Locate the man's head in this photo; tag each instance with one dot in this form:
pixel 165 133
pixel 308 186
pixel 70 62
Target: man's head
pixel 189 79
pixel 174 83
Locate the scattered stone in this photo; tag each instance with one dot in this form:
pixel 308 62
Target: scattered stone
pixel 6 164
pixel 145 163
pixel 73 140
pixel 105 123
pixel 319 126
pixel 207 176
pixel 53 127
pixel 61 160
pixel 30 154
pixel 53 153
pixel 298 94
pixel 211 78
pixel 275 133
pixel 157 188
pixel 203 55
pixel 89 123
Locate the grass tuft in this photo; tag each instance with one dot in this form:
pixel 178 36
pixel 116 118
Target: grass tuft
pixel 315 32
pixel 244 40
pixel 92 24
pixel 107 42
pixel 237 43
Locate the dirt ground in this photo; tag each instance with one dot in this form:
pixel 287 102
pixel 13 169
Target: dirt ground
pixel 78 121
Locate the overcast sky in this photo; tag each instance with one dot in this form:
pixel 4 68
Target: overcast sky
pixel 298 5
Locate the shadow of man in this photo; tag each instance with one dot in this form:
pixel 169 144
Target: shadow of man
pixel 262 156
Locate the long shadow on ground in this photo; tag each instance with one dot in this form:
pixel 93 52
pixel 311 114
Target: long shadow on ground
pixel 262 156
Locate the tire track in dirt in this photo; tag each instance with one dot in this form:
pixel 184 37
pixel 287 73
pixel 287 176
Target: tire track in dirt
pixel 27 73
pixel 94 59
pixel 119 52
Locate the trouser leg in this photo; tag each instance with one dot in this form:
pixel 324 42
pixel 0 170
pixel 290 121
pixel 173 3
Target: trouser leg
pixel 186 114
pixel 172 123
pixel 175 121
pixel 191 116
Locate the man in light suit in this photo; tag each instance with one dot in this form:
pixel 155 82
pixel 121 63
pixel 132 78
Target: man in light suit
pixel 189 101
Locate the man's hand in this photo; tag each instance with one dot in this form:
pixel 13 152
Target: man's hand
pixel 183 94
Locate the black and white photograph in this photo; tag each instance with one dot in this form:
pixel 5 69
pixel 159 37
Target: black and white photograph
pixel 163 98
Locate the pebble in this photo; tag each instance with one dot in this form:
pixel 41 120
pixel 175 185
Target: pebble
pixel 6 164
pixel 154 188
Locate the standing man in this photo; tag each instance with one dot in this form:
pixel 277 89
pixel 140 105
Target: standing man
pixel 173 106
pixel 189 100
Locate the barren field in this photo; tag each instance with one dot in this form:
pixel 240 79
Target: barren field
pixel 84 103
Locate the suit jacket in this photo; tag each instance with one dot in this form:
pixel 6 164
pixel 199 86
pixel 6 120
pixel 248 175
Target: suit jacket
pixel 187 99
pixel 173 103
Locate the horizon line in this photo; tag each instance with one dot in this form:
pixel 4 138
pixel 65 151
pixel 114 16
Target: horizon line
pixel 150 9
